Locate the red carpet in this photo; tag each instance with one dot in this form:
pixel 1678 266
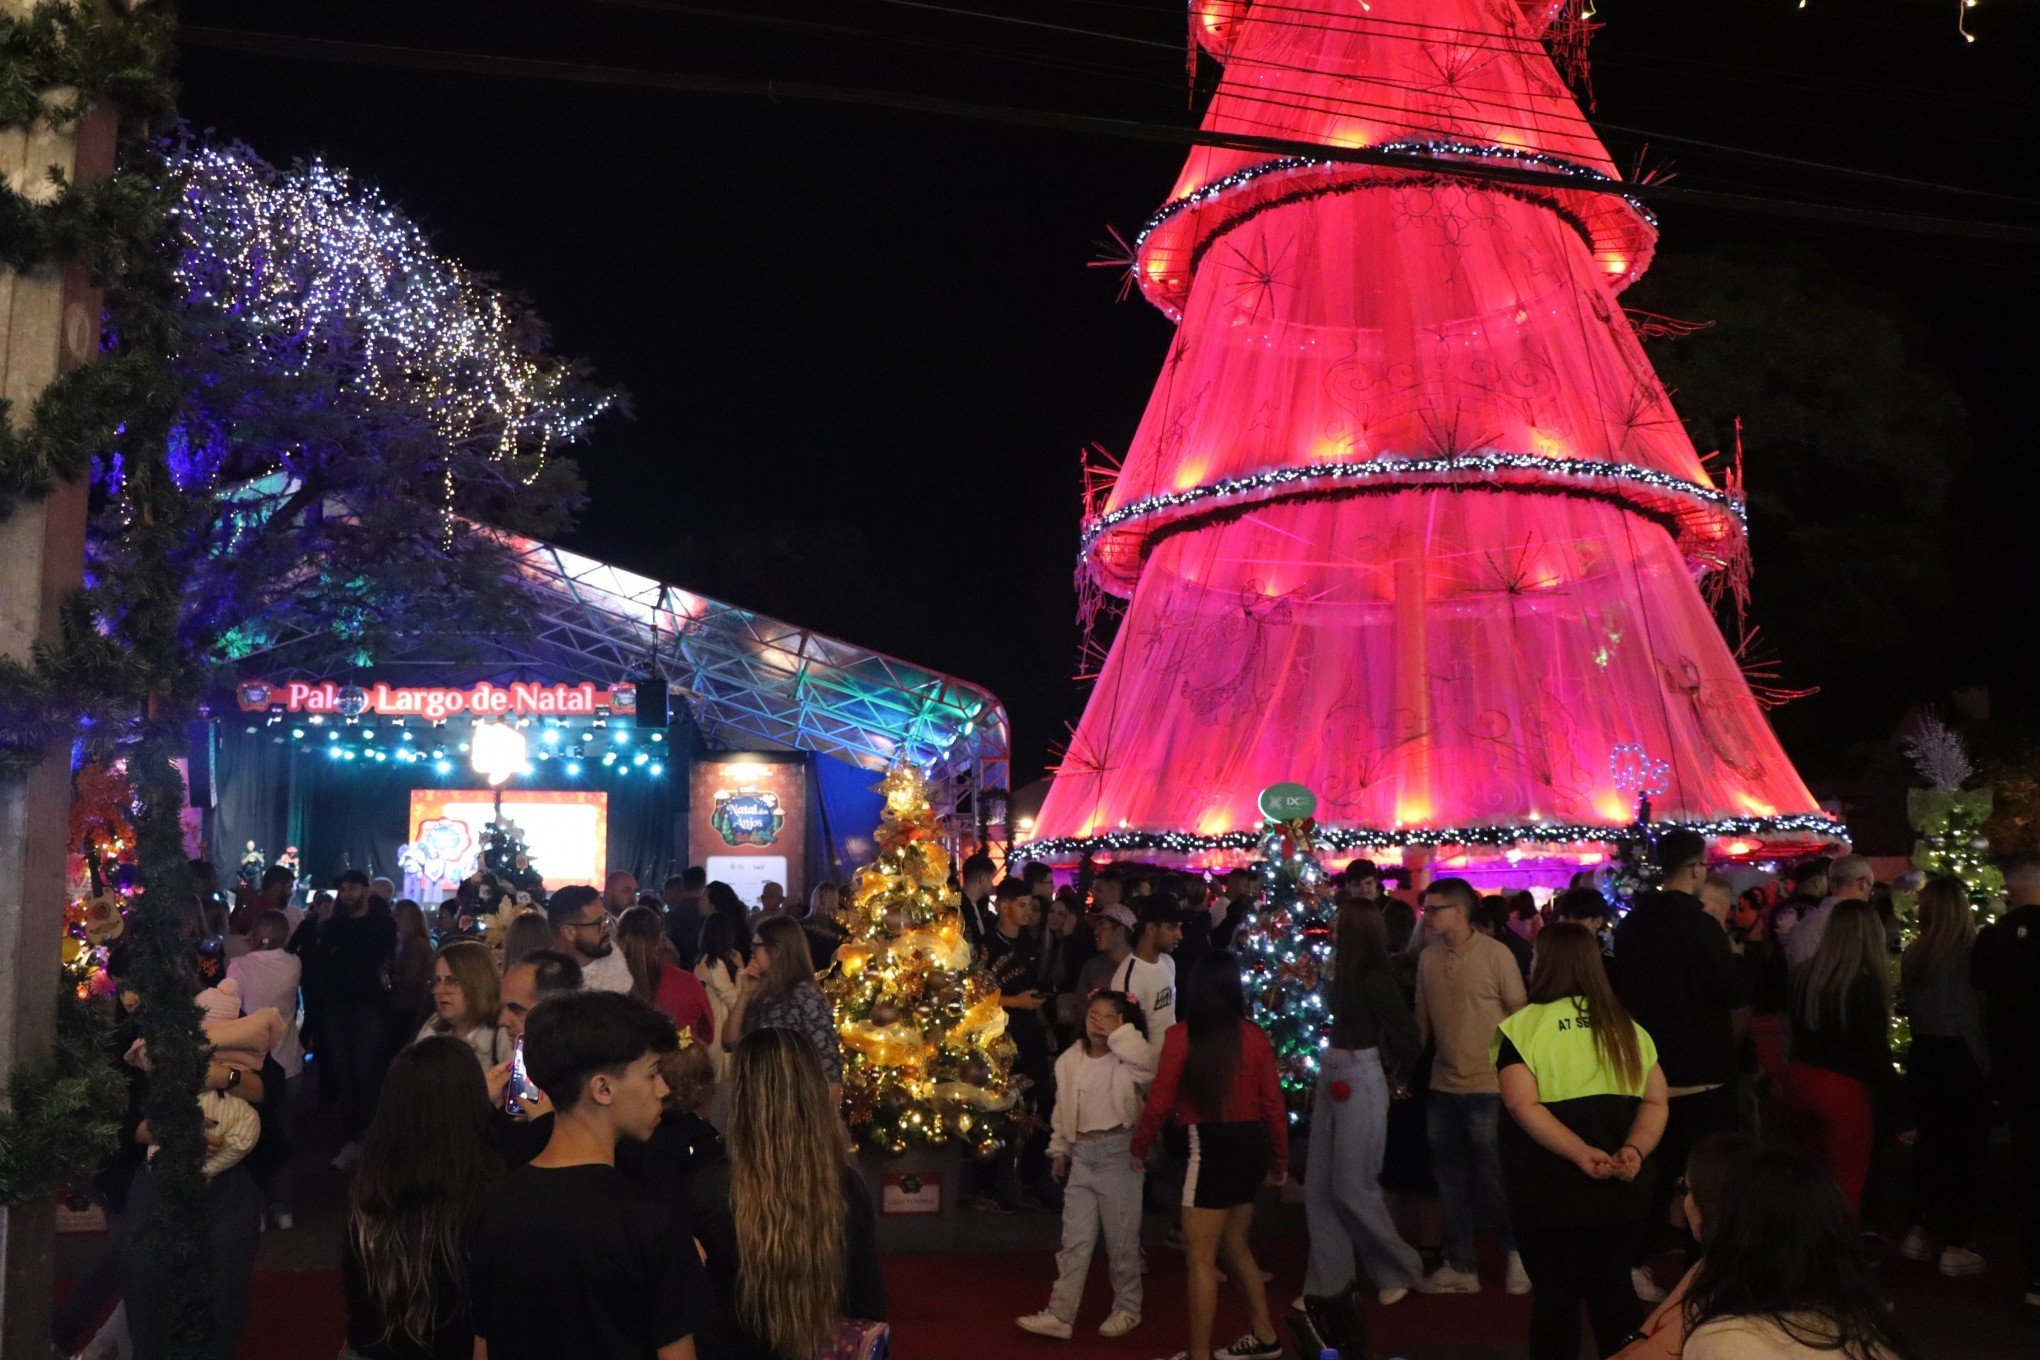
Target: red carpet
pixel 948 1307
pixel 951 1306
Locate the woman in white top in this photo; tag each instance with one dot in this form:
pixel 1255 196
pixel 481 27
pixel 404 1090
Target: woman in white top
pixel 1100 1081
pixel 1783 1275
pixel 465 999
pixel 718 968
pixel 267 975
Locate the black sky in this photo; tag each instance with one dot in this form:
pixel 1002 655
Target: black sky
pixel 864 347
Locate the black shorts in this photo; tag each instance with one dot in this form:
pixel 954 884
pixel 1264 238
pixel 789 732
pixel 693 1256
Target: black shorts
pixel 1228 1164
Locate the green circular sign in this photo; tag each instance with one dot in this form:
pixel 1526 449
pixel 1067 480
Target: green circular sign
pixel 1287 802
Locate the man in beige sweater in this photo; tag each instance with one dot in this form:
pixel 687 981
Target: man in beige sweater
pixel 1467 984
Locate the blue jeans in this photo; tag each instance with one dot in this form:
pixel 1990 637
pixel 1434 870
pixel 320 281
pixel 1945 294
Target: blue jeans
pixel 1468 1165
pixel 1342 1182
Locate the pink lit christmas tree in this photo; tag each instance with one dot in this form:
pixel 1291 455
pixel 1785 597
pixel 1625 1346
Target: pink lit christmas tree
pixel 1409 518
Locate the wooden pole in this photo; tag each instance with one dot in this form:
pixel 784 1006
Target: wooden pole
pixel 49 322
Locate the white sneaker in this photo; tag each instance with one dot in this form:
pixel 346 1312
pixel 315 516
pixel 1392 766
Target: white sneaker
pixel 1647 1287
pixel 1962 1261
pixel 1518 1281
pixel 1913 1247
pixel 1045 1323
pixel 1118 1323
pixel 285 1222
pixel 1392 1296
pixel 1446 1280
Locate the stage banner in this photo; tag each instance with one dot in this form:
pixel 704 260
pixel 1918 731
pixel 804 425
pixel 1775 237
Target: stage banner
pixel 747 824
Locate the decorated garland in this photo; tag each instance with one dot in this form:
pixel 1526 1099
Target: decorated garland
pixel 1503 835
pixel 63 1115
pixel 118 658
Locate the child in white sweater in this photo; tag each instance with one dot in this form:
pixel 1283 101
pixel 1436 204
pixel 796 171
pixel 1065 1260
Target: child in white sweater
pixel 1100 1083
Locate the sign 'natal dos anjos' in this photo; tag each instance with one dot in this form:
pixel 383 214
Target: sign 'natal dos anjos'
pixel 519 698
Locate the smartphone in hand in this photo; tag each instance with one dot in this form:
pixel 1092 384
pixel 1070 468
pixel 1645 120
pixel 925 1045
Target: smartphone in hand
pixel 521 1087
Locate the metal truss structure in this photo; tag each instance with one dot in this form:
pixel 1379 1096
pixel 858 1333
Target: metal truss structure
pixel 748 681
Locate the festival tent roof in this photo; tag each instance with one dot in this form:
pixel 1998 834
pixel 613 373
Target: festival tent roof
pixel 747 681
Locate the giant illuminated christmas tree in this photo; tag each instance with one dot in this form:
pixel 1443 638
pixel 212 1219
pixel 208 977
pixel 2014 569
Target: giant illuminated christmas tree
pixel 1409 518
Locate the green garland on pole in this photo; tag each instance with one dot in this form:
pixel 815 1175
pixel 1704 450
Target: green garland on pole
pixel 119 59
pixel 118 658
pixel 62 1116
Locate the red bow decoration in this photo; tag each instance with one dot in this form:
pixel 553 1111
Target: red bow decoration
pixel 1340 1091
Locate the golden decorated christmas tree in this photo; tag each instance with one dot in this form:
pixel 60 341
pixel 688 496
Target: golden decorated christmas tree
pixel 925 1052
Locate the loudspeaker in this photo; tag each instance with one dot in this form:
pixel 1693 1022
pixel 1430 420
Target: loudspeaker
pixel 651 704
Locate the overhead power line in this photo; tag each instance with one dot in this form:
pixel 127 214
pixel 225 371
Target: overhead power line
pixel 440 61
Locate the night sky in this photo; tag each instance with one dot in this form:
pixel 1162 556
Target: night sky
pixel 863 346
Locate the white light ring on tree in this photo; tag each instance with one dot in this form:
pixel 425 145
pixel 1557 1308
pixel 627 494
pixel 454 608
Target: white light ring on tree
pixel 1798 829
pixel 1617 229
pixel 1710 524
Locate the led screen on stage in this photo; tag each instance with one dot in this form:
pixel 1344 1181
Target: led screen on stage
pixel 566 833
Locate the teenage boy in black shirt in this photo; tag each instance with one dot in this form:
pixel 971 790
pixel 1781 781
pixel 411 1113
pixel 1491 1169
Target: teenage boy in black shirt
pixel 573 1258
pixel 1012 958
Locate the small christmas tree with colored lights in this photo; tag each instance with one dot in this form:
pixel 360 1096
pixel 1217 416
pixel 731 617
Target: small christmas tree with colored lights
pixel 1285 947
pixel 925 1052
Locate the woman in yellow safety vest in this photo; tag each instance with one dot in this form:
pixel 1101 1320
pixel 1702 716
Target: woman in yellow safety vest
pixel 1587 1106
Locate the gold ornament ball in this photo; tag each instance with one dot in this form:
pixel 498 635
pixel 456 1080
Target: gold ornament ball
pixel 885 1013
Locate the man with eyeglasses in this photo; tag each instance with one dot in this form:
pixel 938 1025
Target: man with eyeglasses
pixel 582 925
pixel 1467 984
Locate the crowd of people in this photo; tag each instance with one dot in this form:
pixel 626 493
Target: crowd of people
pixel 612 1129
pixel 1587 1090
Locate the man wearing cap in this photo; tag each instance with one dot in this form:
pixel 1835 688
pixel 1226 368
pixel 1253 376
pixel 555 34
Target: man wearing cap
pixel 1112 929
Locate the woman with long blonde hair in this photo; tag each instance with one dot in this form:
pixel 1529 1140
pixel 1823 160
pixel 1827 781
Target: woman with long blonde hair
pixel 1946 1075
pixel 788 1229
pixel 1838 1070
pixel 1587 1104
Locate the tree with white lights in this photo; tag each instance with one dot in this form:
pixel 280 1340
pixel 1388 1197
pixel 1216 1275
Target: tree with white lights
pixel 352 406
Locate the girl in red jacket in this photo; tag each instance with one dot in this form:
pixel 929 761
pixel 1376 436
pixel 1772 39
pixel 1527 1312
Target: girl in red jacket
pixel 1217 1077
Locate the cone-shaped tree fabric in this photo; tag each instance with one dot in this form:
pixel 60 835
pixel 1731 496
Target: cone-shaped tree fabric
pixel 1409 518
